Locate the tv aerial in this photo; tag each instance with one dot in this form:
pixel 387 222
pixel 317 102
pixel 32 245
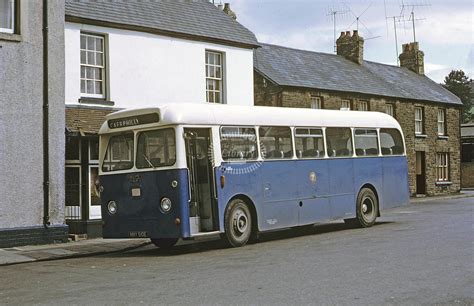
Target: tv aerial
pixel 358 21
pixel 333 12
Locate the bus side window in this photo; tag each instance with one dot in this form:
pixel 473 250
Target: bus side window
pixel 391 142
pixel 339 141
pixel 238 143
pixel 276 142
pixel 309 143
pixel 366 143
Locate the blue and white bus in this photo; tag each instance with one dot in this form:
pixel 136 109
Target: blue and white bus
pixel 191 170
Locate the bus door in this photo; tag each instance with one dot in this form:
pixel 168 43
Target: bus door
pixel 202 208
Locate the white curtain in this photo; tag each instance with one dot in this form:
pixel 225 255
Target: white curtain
pixel 6 14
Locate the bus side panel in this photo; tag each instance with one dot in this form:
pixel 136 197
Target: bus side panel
pixel 368 171
pixel 395 182
pixel 341 187
pixel 141 212
pixel 240 179
pixel 312 182
pixel 280 204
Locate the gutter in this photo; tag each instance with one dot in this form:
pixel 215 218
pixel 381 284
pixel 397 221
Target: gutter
pixel 46 200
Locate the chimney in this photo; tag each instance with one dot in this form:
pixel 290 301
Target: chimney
pixel 412 58
pixel 351 47
pixel 228 11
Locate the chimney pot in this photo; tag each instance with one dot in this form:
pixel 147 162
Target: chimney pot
pixel 412 58
pixel 352 48
pixel 228 11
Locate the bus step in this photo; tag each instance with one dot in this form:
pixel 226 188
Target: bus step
pixel 204 235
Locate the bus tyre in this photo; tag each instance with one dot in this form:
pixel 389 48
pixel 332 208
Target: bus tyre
pixel 164 243
pixel 367 208
pixel 237 223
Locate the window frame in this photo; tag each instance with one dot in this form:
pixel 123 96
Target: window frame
pixel 390 109
pixel 323 136
pixel 420 120
pixel 377 138
pixel 442 167
pixel 316 100
pixel 15 17
pixel 441 111
pixel 257 143
pixel 222 78
pixel 352 150
pixel 260 142
pixel 137 135
pixel 349 103
pixel 102 67
pixel 364 106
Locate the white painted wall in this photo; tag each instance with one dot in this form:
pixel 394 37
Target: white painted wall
pixel 150 70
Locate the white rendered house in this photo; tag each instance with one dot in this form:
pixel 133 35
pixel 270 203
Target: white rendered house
pixel 142 54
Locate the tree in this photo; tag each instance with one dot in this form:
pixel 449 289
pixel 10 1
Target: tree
pixel 461 85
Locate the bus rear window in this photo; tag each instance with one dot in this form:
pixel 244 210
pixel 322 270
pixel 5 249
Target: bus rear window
pixel 119 154
pixel 238 143
pixel 339 141
pixel 156 149
pixel 391 142
pixel 276 141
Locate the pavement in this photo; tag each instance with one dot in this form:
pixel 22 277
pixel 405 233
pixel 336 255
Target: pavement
pixel 94 247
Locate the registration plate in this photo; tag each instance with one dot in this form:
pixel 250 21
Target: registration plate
pixel 138 234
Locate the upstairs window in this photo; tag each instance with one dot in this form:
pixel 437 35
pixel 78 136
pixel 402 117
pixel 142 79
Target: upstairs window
pixel 92 66
pixel 390 110
pixel 214 77
pixel 276 142
pixel 7 16
pixel 309 143
pixel 441 122
pixel 346 104
pixel 418 120
pixel 364 106
pixel 316 102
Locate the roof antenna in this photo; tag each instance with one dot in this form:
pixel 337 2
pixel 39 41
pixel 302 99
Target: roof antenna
pixel 332 13
pixel 357 21
pixel 412 14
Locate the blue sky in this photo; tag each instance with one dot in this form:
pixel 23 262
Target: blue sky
pixel 445 31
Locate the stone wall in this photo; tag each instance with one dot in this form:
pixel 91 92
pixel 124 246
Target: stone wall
pixel 404 113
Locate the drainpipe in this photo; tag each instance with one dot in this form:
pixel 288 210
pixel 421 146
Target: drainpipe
pixel 46 222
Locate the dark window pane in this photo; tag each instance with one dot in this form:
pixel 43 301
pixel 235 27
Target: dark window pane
pixel 366 142
pixel 391 142
pixel 156 149
pixel 276 141
pixel 238 143
pixel 72 148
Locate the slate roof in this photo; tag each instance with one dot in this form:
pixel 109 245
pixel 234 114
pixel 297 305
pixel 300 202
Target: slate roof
pixel 85 120
pixel 196 19
pixel 300 68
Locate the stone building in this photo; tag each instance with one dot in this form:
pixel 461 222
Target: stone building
pixel 428 113
pixel 31 122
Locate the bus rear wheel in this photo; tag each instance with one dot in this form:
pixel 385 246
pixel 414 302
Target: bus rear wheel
pixel 164 243
pixel 367 208
pixel 238 223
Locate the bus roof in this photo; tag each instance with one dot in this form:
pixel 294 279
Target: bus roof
pixel 218 114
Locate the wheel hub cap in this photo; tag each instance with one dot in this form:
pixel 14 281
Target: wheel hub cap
pixel 240 222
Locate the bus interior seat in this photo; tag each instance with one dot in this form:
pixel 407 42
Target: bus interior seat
pixel 372 151
pixel 299 154
pixel 311 153
pixel 386 151
pixel 360 152
pixel 288 154
pixel 275 154
pixel 397 149
pixel 343 152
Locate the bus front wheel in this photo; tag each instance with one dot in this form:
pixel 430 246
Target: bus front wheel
pixel 164 243
pixel 367 208
pixel 238 223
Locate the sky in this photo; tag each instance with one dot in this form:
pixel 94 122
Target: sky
pixel 444 29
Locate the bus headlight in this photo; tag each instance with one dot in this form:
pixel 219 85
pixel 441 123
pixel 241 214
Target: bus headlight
pixel 165 205
pixel 112 207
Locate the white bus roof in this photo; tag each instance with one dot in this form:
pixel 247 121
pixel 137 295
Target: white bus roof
pixel 218 114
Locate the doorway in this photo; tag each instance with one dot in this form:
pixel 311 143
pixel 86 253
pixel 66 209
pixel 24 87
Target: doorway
pixel 420 170
pixel 202 208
